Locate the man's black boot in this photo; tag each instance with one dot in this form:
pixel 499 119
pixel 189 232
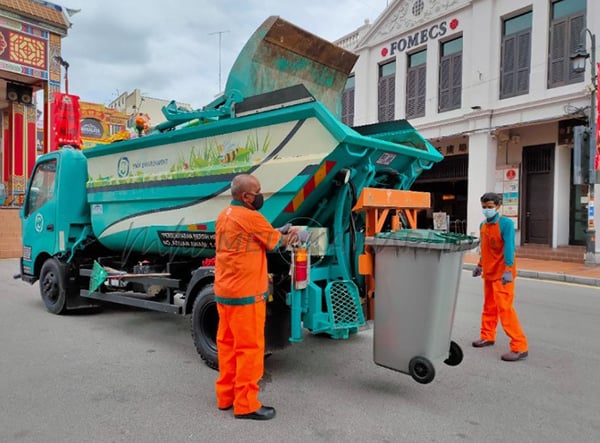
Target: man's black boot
pixel 264 413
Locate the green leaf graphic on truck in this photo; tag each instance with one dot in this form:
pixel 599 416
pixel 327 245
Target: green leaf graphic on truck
pixel 212 157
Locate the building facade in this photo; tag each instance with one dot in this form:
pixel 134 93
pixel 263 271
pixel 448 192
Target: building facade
pixel 490 84
pixel 101 125
pixel 30 42
pixel 135 104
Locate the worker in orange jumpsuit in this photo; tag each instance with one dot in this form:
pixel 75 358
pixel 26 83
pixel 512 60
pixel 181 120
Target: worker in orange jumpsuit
pixel 498 267
pixel 243 235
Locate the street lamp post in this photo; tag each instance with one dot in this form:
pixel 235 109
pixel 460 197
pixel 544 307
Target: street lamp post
pixel 579 59
pixel 65 65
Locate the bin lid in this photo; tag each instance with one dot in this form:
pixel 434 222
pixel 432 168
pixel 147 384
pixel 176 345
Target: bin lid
pixel 424 238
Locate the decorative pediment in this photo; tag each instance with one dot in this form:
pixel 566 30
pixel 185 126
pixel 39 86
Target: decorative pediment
pixel 404 15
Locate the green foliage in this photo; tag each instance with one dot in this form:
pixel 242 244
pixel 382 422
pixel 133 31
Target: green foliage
pixel 207 158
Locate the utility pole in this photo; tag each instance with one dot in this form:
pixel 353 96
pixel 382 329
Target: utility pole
pixel 220 37
pixel 579 58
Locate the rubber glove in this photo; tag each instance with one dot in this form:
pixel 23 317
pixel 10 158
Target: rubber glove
pixel 507 277
pixel 284 229
pixel 477 271
pixel 303 236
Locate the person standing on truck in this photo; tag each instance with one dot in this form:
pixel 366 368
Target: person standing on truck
pixel 243 235
pixel 498 268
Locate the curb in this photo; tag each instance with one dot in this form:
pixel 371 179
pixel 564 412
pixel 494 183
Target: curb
pixel 549 276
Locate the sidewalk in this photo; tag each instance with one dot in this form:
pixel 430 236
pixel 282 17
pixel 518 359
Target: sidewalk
pixel 549 270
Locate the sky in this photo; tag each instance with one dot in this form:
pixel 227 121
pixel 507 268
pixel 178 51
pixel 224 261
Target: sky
pixel 170 49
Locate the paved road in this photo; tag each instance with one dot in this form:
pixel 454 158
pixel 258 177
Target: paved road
pixel 127 375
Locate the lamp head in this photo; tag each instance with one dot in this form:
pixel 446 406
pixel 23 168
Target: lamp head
pixel 578 59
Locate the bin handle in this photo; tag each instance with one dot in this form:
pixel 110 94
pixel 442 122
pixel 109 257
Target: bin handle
pixel 353 154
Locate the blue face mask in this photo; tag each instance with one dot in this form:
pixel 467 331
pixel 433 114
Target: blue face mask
pixel 489 212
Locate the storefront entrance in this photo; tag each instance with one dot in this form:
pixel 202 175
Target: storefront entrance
pixel 538 173
pixel 447 183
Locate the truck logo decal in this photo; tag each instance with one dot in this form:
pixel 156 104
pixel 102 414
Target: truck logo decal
pixel 123 167
pixel 220 161
pixel 39 223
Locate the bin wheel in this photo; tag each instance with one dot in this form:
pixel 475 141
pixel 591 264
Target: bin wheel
pixel 421 370
pixel 456 355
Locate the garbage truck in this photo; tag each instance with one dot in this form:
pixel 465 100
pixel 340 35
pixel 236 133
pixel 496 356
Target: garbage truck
pixel 133 222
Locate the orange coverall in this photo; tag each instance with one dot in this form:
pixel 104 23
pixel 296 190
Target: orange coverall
pixel 497 256
pixel 241 282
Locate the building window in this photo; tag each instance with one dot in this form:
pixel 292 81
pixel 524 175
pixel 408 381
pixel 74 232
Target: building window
pixel 416 77
pixel 348 102
pixel 386 92
pixel 516 56
pixel 567 23
pixel 450 88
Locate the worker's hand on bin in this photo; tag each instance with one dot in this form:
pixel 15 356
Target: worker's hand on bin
pixel 303 236
pixel 507 277
pixel 477 271
pixel 284 229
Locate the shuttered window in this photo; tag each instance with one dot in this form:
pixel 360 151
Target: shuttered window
pixel 416 77
pixel 450 87
pixel 386 92
pixel 568 22
pixel 516 56
pixel 348 102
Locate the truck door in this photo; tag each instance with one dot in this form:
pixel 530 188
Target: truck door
pixel 39 214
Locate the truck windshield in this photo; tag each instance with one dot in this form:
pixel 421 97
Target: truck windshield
pixel 42 186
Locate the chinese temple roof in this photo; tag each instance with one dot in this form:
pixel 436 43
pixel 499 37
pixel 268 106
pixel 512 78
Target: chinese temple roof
pixel 39 10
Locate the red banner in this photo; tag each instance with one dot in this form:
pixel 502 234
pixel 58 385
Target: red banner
pixel 66 126
pixel 598 107
pixel 597 158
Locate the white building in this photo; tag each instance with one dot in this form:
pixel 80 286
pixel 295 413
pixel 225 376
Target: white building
pixel 490 84
pixel 133 103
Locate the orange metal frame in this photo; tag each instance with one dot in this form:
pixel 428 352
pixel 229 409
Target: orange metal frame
pixel 379 205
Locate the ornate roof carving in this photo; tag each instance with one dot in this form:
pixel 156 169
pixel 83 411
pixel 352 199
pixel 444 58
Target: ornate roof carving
pixel 41 11
pixel 404 15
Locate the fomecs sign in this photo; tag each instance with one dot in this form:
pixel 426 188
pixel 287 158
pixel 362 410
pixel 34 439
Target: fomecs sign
pixel 419 37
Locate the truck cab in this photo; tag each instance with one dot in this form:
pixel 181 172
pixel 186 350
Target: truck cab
pixel 55 214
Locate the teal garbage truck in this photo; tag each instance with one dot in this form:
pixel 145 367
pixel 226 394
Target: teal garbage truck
pixel 133 222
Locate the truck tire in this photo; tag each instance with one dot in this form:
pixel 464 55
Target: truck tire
pixel 53 286
pixel 205 320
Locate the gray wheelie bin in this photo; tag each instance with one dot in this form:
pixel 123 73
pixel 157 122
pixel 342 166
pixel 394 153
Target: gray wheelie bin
pixel 417 273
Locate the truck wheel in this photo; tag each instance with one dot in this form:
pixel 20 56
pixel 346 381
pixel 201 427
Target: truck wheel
pixel 455 356
pixel 205 320
pixel 421 370
pixel 52 286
